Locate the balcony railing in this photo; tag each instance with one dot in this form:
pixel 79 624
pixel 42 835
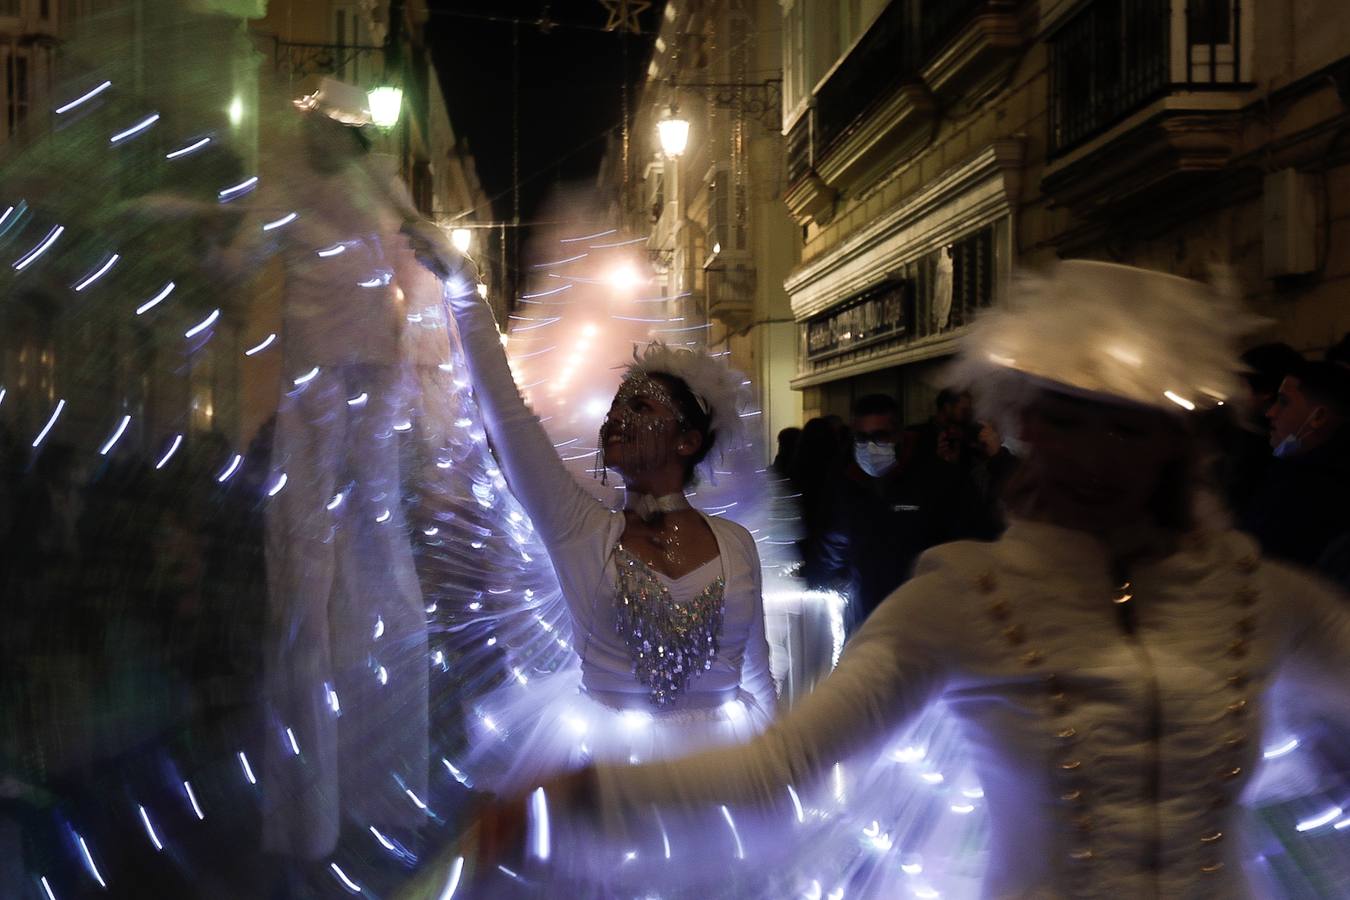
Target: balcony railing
pixel 900 41
pixel 1118 55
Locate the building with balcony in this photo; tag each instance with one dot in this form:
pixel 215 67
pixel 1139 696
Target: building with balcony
pixel 720 240
pixel 932 146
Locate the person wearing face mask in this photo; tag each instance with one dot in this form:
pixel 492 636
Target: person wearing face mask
pixel 1304 501
pixel 879 518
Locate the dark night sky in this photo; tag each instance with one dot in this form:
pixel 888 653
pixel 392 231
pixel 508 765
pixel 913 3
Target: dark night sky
pixel 570 87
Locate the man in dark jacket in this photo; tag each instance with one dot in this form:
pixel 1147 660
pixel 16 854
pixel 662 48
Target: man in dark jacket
pixel 1304 503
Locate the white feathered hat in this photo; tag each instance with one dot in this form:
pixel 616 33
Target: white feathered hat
pixel 339 101
pixel 716 386
pixel 1108 332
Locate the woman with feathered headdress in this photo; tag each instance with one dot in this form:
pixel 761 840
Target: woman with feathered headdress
pixel 664 601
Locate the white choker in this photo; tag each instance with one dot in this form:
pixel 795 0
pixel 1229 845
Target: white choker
pixel 649 508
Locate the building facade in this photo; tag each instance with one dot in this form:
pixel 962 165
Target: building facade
pixel 720 240
pixel 933 145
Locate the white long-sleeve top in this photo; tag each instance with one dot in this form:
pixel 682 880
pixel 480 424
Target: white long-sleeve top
pixel 1111 761
pixel 581 535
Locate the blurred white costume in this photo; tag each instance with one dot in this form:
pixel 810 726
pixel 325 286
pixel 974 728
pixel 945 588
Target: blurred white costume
pixel 346 665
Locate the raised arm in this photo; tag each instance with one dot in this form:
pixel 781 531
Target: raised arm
pixel 891 669
pixel 556 504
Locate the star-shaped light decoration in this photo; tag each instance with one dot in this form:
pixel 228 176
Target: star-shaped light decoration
pixel 623 14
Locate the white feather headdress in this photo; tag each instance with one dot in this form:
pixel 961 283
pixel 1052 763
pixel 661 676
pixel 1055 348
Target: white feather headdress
pixel 714 385
pixel 1108 331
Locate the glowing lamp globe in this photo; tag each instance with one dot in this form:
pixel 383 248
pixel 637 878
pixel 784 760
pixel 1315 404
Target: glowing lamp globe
pixel 674 134
pixel 462 238
pixel 385 105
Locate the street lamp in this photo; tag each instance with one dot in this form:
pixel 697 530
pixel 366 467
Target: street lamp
pixel 673 132
pixel 385 105
pixel 461 238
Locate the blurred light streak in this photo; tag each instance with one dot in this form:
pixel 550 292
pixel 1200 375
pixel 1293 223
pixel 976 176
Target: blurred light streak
pixel 230 469
pixel 116 436
pixel 150 829
pixel 135 129
pixel 155 300
pixel 85 98
pixel 190 148
pixel 168 454
pixel 258 348
pixel 60 405
pixel 233 191
pixel 202 325
pixel 32 255
pixel 99 273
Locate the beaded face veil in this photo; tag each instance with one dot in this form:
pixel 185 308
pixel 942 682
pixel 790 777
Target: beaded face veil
pixel 648 434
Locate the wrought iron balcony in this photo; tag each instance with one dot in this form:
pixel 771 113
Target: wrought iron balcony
pixel 1117 56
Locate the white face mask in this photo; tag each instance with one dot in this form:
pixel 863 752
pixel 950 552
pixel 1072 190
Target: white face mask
pixel 1292 443
pixel 876 459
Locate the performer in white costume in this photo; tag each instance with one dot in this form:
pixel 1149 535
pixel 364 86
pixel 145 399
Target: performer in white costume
pixel 1107 660
pixel 665 606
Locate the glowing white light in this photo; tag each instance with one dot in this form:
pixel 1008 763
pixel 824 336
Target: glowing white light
pixel 482 290
pixel 973 793
pixel 1319 820
pixel 277 486
pixel 99 273
pixel 150 829
pixel 932 777
pixel 1343 823
pixel 731 823
pixel 333 703
pixel 192 798
pixel 379 627
pixel 385 105
pixel 452 883
pixel 1179 400
pixel 168 454
pixel 673 133
pixel 911 868
pixel 431 532
pixel 383 517
pixel 926 893
pixel 295 746
pixel 462 238
pixel 332 251
pixel 307 377
pixel 84 98
pixel 539 824
pixel 116 435
pixel 880 840
pixel 405 425
pixel 202 325
pixel 342 877
pixel 248 770
pixel 336 501
pixel 377 281
pixel 1287 747
pixel 60 405
pixel 233 191
pixel 630 856
pixel 230 469
pixel 909 754
pixel 624 277
pixel 384 841
pixel 796 804
pixel 136 129
pixel 236 111
pixel 190 148
pixel 359 400
pixel 89 862
pixel 266 342
pixel 155 300
pixel 417 801
pixel 2 394
pixel 47 888
pixel 963 808
pixel 277 223
pixel 455 772
pixel 382 675
pixel 43 246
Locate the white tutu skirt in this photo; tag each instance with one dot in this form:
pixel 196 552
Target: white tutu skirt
pixel 524 733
